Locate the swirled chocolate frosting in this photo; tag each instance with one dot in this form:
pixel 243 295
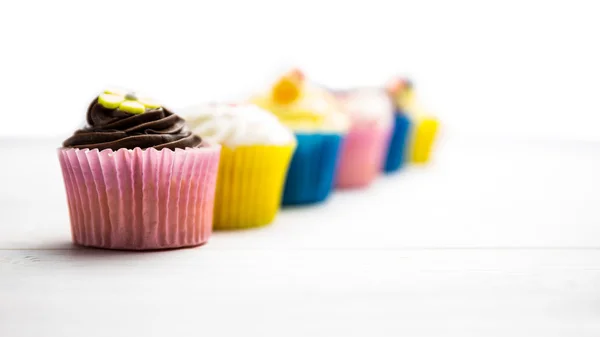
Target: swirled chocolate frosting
pixel 115 129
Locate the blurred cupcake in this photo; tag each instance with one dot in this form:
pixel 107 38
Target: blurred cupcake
pixel 424 126
pixel 136 178
pixel 365 146
pixel 400 90
pixel 255 156
pixel 319 125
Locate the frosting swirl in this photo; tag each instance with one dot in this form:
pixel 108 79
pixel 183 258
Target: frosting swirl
pixel 303 106
pixel 367 106
pixel 114 129
pixel 237 124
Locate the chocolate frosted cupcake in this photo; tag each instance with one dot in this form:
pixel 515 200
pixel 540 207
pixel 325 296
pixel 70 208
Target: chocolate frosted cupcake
pixel 137 178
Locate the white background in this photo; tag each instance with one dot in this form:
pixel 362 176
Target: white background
pixel 498 236
pixel 520 67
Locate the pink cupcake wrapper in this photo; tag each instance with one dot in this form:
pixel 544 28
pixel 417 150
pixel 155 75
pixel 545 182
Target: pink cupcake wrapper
pixel 362 157
pixel 140 199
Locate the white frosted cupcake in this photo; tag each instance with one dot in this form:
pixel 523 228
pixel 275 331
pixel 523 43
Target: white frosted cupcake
pixel 371 112
pixel 256 152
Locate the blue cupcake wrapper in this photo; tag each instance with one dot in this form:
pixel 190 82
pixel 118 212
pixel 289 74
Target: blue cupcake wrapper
pixel 398 149
pixel 311 174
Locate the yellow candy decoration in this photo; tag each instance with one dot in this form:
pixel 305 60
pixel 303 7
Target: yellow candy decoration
pixel 110 101
pixel 149 103
pixel 128 102
pixel 132 107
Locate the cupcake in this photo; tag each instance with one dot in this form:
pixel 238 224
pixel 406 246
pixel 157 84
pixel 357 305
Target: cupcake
pixel 424 126
pixel 371 114
pixel 401 93
pixel 255 156
pixel 136 178
pixel 315 118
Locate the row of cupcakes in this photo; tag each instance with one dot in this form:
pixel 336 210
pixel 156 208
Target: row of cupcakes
pixel 140 177
pixel 346 138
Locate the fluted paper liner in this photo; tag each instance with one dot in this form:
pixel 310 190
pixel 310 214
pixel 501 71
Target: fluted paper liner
pixel 311 175
pixel 423 138
pixel 140 199
pixel 397 154
pixel 250 185
pixel 363 154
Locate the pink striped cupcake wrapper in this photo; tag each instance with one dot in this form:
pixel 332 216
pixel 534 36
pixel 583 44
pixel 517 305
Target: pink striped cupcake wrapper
pixel 362 157
pixel 140 199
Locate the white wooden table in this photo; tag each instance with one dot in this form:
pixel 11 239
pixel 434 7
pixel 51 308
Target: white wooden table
pixel 495 238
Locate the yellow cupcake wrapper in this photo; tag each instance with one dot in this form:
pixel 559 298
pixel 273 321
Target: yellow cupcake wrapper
pixel 423 137
pixel 250 185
